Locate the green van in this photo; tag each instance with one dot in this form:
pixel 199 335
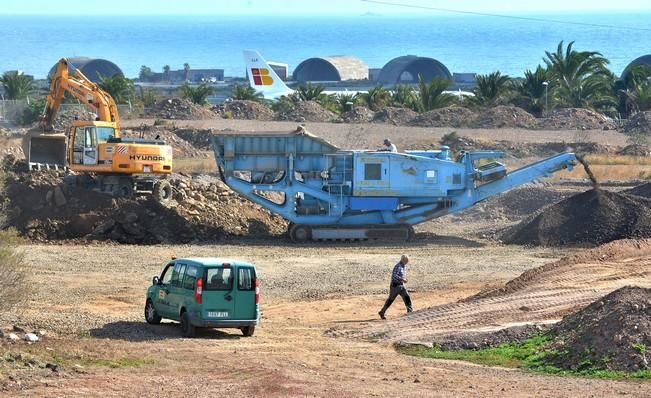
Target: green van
pixel 205 292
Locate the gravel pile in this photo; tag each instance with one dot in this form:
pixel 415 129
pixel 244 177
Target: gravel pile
pixel 640 123
pixel 503 116
pixel 43 208
pixel 593 217
pixel 359 114
pixel 611 333
pixel 248 110
pixel 307 111
pixel 576 119
pixel 181 109
pixel 199 138
pixel 395 116
pixel 446 117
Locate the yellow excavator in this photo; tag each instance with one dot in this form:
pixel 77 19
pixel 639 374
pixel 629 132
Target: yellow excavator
pixel 95 151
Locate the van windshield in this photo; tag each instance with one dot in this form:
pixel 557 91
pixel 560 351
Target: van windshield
pixel 219 278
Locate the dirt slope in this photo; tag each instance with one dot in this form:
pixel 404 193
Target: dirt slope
pixel 543 294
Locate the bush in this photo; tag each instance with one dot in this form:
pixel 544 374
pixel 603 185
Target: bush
pixel 12 271
pixel 34 112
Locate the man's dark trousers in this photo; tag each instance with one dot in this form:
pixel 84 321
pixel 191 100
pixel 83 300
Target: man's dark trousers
pixel 394 290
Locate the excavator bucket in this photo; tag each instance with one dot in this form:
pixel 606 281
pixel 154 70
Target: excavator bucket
pixel 45 150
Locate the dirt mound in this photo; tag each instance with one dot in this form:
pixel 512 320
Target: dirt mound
pixel 640 123
pixel 515 204
pixel 43 208
pixel 576 119
pixel 611 333
pixel 307 111
pixel 199 138
pixel 454 116
pixel 248 110
pixel 359 114
pixel 592 217
pixel 395 116
pixel 640 190
pixel 635 150
pixel 181 109
pixel 503 116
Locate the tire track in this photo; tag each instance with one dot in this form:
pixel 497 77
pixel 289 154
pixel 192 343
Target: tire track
pixel 544 294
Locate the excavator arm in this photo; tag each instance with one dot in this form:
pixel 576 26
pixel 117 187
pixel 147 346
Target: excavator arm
pixel 78 85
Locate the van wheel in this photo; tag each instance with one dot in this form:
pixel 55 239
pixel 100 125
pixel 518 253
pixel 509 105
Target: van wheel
pixel 151 316
pixel 247 331
pixel 188 329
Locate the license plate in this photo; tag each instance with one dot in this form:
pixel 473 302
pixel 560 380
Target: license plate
pixel 217 314
pixel 147 169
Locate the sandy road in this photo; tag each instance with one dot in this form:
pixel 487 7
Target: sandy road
pixel 307 291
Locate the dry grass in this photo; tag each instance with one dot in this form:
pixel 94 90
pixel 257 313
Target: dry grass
pixel 602 159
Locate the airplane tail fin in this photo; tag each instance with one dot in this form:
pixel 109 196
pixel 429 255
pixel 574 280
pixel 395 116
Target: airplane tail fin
pixel 262 77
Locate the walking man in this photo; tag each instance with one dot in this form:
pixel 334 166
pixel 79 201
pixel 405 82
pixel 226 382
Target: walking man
pixel 398 280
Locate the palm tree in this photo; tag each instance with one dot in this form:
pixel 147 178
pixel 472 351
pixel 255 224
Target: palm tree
pixel 145 73
pixel 376 98
pixel 198 95
pixel 492 89
pixel 246 93
pixel 431 95
pixel 17 85
pixel 404 96
pixel 532 90
pixel 310 92
pixel 166 73
pixel 342 100
pixel 633 90
pixel 580 78
pixel 186 71
pixel 118 86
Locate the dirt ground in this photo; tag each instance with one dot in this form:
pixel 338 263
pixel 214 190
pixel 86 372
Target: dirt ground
pixel 89 299
pixel 371 135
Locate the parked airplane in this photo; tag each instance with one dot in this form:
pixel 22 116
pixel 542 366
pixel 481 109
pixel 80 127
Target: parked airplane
pixel 263 79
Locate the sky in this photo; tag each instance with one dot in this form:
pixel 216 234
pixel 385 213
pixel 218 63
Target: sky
pixel 304 7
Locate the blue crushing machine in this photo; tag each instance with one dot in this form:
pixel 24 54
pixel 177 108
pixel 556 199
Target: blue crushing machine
pixel 327 193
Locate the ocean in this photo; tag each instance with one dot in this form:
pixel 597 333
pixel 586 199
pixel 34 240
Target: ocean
pixel 463 43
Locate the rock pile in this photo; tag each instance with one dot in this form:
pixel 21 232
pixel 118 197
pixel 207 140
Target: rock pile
pixel 576 119
pixel 612 333
pixel 395 116
pixel 248 110
pixel 640 123
pixel 359 114
pixel 307 111
pixel 592 217
pixel 199 138
pixel 454 116
pixel 180 109
pixel 42 208
pixel 503 116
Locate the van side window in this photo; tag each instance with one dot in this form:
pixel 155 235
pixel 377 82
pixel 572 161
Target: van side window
pixel 245 278
pixel 190 277
pixel 177 275
pixel 219 278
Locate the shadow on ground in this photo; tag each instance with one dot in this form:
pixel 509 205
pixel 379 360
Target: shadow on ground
pixel 141 331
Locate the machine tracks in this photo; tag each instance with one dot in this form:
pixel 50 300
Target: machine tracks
pixel 541 295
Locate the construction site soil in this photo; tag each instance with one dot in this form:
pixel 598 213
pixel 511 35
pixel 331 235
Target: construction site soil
pixel 640 123
pixel 42 208
pixel 307 111
pixel 593 217
pixel 613 332
pixel 180 109
pixel 241 109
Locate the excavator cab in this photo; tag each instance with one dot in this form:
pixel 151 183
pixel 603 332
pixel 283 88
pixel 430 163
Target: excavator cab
pixel 86 138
